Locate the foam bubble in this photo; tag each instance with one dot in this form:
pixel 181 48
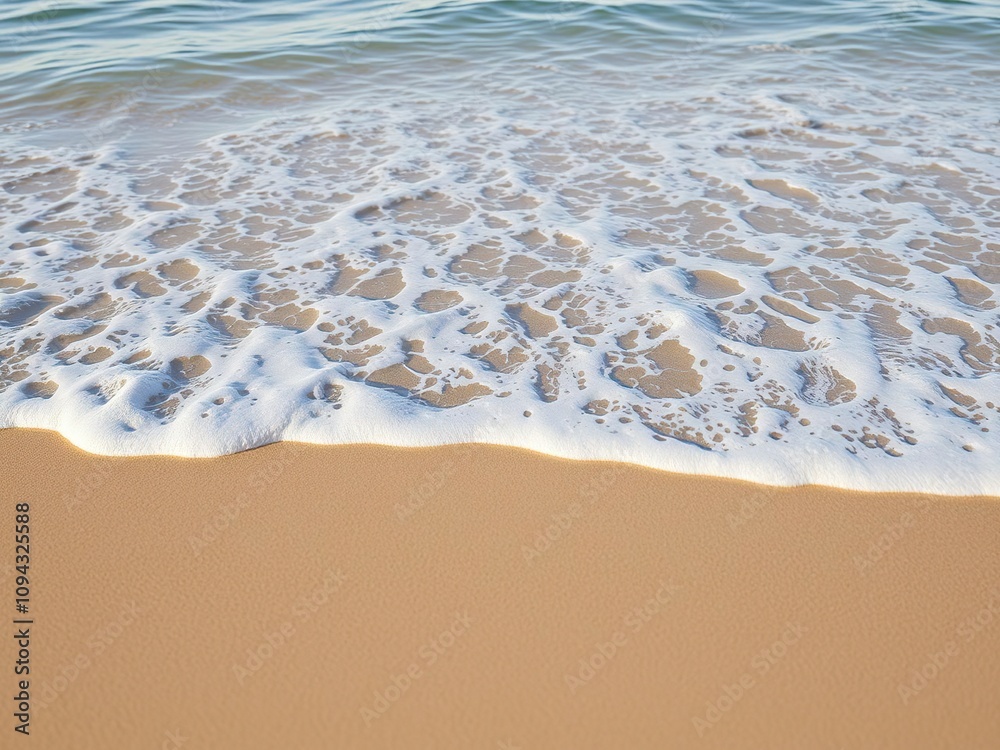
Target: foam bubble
pixel 773 287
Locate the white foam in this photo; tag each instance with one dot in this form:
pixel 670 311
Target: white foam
pixel 297 281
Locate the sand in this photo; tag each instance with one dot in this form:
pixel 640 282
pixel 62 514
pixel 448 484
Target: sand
pixel 480 597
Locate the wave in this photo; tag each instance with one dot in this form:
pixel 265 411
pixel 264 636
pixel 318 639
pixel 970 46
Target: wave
pixel 778 286
pixel 302 44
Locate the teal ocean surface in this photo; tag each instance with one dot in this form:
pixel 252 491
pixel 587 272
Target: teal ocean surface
pixel 118 59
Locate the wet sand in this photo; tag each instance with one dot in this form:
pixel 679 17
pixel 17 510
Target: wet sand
pixel 482 597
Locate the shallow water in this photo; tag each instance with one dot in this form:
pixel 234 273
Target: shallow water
pixel 736 238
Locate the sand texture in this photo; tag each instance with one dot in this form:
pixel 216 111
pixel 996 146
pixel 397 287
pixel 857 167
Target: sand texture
pixel 477 597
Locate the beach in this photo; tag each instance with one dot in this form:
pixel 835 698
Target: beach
pixel 476 596
pixel 500 375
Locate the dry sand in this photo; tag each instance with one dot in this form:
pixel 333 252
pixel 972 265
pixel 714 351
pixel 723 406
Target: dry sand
pixel 268 599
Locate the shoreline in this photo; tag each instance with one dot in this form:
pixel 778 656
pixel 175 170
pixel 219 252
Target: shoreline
pixel 477 596
pixel 784 468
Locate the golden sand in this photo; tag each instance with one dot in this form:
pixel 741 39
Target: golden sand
pixel 481 597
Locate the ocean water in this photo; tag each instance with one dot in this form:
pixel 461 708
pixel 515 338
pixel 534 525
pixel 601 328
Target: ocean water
pixel 748 239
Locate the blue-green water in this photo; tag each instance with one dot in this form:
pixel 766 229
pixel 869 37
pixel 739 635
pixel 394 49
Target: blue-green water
pixel 94 58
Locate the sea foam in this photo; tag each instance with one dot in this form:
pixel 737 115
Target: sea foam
pixel 777 283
